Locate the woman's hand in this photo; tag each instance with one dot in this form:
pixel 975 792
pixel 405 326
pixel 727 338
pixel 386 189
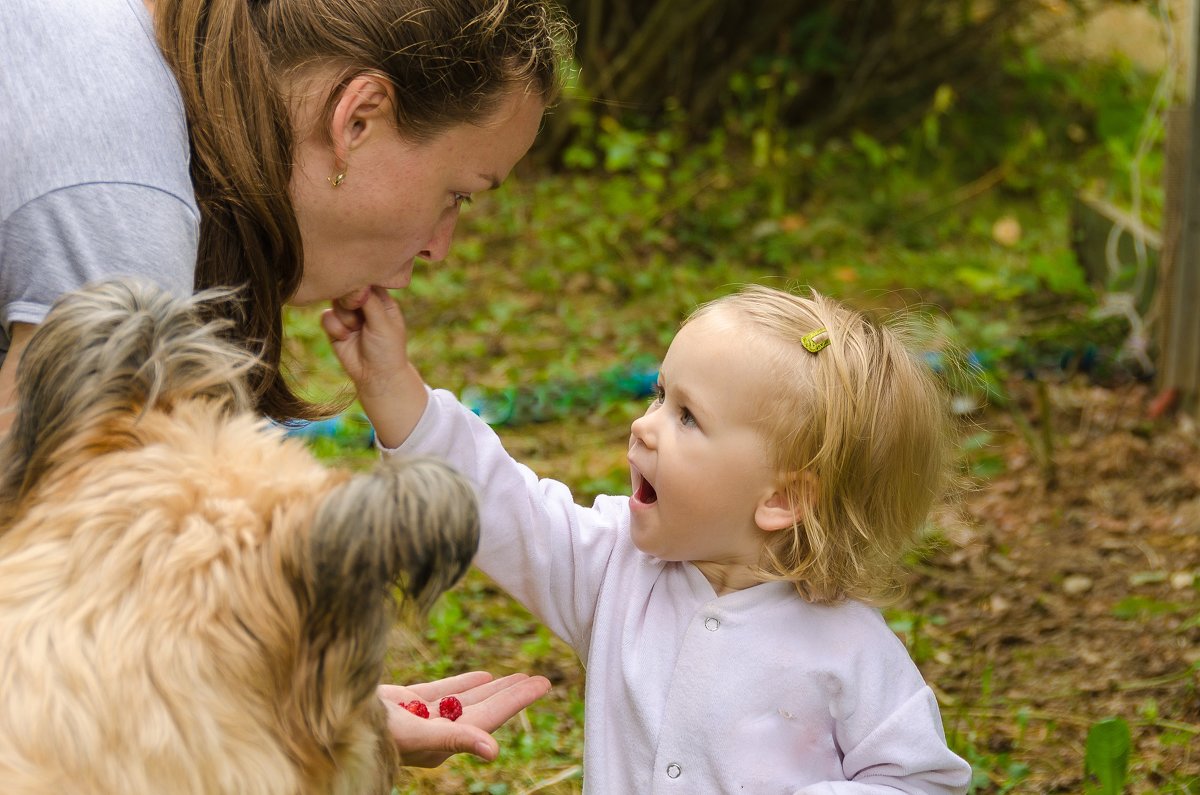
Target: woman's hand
pixel 487 704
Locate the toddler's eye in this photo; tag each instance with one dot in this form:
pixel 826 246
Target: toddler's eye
pixel 686 418
pixel 656 397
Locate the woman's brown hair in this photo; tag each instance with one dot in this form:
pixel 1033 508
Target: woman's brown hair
pixel 451 62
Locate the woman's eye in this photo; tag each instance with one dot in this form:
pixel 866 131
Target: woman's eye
pixel 462 199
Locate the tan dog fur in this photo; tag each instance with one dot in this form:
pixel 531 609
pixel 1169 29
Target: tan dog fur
pixel 189 602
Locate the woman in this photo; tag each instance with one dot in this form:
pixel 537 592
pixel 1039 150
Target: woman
pixel 331 143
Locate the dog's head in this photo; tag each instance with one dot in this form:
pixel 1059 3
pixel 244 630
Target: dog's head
pixel 103 357
pixel 190 602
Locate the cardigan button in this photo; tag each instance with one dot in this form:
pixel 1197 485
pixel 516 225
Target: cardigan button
pixel 711 624
pixel 674 770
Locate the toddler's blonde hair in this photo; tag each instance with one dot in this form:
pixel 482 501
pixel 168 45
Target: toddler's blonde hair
pixel 860 433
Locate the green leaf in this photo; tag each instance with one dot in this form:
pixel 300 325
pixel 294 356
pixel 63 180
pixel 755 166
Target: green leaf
pixel 1134 607
pixel 1107 757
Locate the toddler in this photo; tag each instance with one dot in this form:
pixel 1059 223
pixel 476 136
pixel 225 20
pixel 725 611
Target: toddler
pixel 792 452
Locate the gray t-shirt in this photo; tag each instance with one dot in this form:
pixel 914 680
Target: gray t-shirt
pixel 93 155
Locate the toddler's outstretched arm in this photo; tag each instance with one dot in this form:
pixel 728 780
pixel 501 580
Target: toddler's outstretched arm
pixel 371 342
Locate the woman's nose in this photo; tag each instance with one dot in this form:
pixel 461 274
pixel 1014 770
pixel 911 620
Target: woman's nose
pixel 439 245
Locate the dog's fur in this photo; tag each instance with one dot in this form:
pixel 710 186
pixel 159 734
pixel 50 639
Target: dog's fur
pixel 189 602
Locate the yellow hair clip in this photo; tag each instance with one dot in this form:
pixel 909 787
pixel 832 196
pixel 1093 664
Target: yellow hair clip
pixel 815 341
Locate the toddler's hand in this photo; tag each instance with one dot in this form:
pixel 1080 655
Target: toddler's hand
pixel 370 339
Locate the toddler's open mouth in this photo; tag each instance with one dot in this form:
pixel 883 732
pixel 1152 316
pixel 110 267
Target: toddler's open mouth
pixel 645 492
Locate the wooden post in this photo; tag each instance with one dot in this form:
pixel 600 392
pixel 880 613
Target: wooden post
pixel 1180 355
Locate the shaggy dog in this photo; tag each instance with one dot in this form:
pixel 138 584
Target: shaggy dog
pixel 189 602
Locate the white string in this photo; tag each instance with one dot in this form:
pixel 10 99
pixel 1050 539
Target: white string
pixel 1124 303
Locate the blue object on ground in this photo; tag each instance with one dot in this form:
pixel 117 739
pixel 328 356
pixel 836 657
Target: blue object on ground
pixel 344 426
pixel 549 400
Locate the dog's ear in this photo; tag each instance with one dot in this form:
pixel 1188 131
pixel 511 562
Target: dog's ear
pixel 103 355
pixel 411 523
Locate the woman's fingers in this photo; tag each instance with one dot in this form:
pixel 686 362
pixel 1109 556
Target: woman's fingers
pixel 487 703
pixel 427 743
pixel 450 686
pixel 510 696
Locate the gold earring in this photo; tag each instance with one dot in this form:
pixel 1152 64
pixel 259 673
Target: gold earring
pixel 337 179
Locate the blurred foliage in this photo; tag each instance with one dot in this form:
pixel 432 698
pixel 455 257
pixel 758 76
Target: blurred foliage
pixel 961 213
pixel 1107 758
pixel 819 64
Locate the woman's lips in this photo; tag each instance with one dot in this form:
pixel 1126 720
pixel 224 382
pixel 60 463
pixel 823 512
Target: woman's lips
pixel 355 300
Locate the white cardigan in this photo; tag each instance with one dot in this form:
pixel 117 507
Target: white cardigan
pixel 756 691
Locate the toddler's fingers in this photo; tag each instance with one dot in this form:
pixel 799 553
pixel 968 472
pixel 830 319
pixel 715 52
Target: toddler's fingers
pixel 352 319
pixel 335 329
pixel 381 311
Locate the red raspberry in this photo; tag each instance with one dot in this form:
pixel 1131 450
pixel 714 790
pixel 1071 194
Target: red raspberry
pixel 417 708
pixel 450 707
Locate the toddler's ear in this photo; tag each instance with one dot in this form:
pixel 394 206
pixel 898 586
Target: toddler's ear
pixel 786 506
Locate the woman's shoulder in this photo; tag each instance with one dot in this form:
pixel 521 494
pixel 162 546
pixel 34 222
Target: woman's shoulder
pixel 107 106
pixel 78 48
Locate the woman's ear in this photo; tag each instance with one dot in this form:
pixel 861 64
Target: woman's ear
pixel 364 109
pixel 786 505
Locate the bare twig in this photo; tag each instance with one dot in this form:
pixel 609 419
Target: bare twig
pixel 1049 467
pixel 1075 720
pixel 570 772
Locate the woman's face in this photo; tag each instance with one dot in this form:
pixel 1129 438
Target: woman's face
pixel 399 200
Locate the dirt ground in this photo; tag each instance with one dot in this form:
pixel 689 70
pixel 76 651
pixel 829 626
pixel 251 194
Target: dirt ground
pixel 1072 598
